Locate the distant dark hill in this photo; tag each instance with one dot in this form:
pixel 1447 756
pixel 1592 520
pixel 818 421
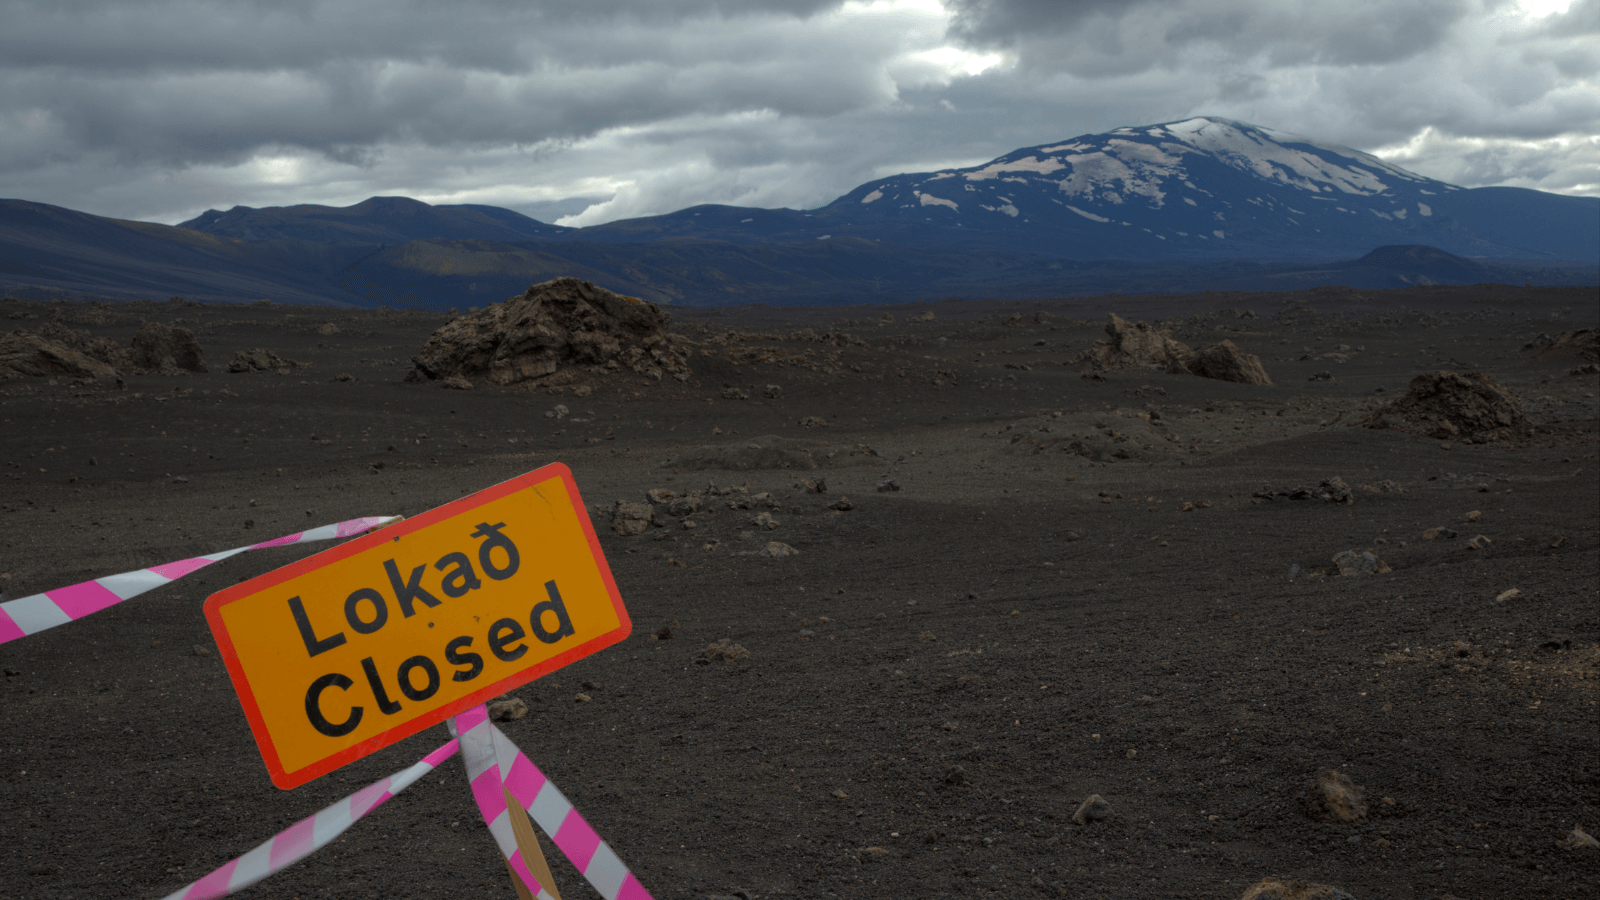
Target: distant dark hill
pixel 1424 265
pixel 377 220
pixel 1539 225
pixel 841 271
pixel 60 248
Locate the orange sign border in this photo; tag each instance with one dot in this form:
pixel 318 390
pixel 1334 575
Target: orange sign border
pixel 381 536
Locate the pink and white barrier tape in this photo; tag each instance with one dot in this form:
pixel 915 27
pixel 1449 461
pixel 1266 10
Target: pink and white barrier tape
pixel 31 615
pixel 308 835
pixel 495 765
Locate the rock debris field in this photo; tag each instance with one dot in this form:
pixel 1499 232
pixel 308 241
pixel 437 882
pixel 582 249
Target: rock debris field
pixel 945 600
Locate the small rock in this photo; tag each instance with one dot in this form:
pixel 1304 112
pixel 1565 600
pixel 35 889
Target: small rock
pixel 779 550
pixel 764 521
pixel 955 775
pixel 201 650
pixel 733 393
pixel 1579 839
pixel 508 709
pixel 1365 562
pixel 773 391
pixel 1433 534
pixel 1557 541
pixel 726 649
pixel 456 383
pixel 660 495
pixel 888 485
pixel 1094 809
pixel 926 637
pixel 664 633
pixel 817 486
pixel 582 698
pixel 841 795
pixel 631 518
pixel 842 504
pixel 1333 797
pixel 1073 536
pixel 1292 889
pixel 1473 516
pixel 683 506
pixel 813 422
pixel 344 376
pixel 1481 542
pixel 1511 594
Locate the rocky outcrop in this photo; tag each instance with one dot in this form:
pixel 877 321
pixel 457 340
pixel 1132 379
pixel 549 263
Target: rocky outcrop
pixel 550 335
pixel 1134 345
pixel 259 360
pixel 1142 345
pixel 57 351
pixel 1226 362
pixel 27 355
pixel 1292 889
pixel 1451 406
pixel 160 349
pixel 1583 343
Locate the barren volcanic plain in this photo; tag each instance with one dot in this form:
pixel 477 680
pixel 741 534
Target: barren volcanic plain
pixel 1084 584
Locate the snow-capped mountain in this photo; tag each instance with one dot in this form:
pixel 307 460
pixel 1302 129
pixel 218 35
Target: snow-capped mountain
pixel 1203 187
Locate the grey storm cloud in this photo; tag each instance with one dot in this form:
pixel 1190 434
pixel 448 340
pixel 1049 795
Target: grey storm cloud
pixel 161 108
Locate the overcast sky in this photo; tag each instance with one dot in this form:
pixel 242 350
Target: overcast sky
pixel 160 109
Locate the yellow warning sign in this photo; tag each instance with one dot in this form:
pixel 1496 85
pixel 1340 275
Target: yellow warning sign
pixel 370 642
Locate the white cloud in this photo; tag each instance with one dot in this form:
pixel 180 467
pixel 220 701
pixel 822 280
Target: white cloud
pixel 163 108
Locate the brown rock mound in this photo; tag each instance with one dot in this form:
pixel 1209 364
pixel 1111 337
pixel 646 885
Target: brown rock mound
pixel 160 349
pixel 1448 405
pixel 1585 342
pixel 259 360
pixel 1135 344
pixel 1226 362
pixel 27 355
pixel 1139 344
pixel 550 333
pixel 1292 889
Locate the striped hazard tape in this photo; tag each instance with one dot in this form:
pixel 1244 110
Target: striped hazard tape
pixel 31 615
pixel 308 835
pixel 498 770
pixel 501 775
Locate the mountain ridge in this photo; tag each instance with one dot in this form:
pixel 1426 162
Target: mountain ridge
pixel 1195 204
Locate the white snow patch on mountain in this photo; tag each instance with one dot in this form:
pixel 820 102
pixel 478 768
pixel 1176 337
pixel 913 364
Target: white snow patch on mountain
pixel 1094 175
pixel 1424 208
pixel 1074 146
pixel 931 200
pixel 1031 164
pixel 1220 235
pixel 1240 147
pixel 1190 201
pixel 875 195
pixel 1088 215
